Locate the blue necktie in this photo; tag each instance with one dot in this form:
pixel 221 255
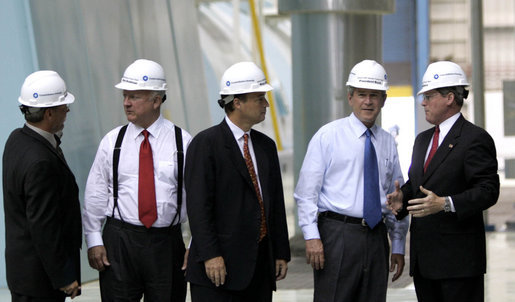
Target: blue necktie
pixel 372 203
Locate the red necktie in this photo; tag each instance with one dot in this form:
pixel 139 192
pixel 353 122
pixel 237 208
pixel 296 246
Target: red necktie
pixel 146 188
pixel 434 146
pixel 250 167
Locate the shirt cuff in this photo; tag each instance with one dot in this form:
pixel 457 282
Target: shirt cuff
pixel 311 231
pixel 399 246
pixel 453 209
pixel 94 239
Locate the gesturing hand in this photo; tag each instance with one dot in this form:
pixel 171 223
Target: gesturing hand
pixel 428 205
pixel 394 199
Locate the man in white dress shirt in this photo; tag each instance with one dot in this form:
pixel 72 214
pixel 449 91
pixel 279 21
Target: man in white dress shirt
pixel 141 249
pixel 348 253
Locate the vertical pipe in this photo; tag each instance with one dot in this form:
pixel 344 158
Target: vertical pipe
pixel 236 29
pixel 478 72
pixel 259 42
pixel 422 60
pixel 478 82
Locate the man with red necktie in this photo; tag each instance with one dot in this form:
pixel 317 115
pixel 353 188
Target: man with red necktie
pixel 134 186
pixel 236 208
pixel 452 180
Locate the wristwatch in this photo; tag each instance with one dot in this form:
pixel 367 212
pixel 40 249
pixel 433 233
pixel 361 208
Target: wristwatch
pixel 447 204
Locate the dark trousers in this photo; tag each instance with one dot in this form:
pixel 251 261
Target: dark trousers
pixel 144 263
pixel 259 290
pixel 356 262
pixel 58 297
pixel 449 290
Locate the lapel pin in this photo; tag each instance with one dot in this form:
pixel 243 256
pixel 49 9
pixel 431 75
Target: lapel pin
pixel 450 146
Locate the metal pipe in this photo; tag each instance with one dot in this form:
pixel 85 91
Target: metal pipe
pixel 259 42
pixel 478 70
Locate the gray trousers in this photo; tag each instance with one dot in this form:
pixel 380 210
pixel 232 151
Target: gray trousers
pixel 356 262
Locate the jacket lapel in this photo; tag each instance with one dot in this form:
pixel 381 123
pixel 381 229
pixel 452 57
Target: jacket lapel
pixel 263 168
pixel 45 142
pixel 234 152
pixel 449 142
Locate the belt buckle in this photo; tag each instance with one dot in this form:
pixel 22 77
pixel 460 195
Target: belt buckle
pixel 363 223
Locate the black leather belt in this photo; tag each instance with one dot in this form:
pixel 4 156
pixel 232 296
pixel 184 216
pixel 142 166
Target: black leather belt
pixel 344 218
pixel 140 228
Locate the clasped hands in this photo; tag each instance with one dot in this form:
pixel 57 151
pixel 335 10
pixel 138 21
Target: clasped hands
pixel 419 207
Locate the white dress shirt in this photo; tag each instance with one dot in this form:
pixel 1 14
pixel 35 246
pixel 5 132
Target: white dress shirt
pixel 331 178
pixel 98 198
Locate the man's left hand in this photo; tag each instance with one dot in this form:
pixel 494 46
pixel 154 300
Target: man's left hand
pixel 397 261
pixel 428 205
pixel 281 268
pixel 185 262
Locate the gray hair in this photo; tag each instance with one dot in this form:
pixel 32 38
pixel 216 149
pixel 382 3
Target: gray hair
pixel 33 114
pixel 460 93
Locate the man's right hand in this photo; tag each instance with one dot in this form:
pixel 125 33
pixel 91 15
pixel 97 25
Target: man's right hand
pixel 97 257
pixel 315 253
pixel 394 199
pixel 72 289
pixel 215 270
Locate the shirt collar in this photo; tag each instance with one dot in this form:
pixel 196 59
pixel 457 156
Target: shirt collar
pixel 47 135
pixel 236 131
pixel 358 127
pixel 153 130
pixel 446 125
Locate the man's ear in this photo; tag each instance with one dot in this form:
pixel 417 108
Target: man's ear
pixel 236 102
pixel 384 99
pixel 450 99
pixel 157 101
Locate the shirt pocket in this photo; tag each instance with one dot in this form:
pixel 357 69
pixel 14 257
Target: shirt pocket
pixel 166 171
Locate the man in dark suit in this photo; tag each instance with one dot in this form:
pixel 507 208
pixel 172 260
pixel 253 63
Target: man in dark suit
pixel 235 198
pixel 452 180
pixel 41 202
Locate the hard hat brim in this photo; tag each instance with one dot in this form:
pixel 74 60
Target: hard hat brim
pixel 429 87
pixel 133 87
pixel 262 88
pixel 70 98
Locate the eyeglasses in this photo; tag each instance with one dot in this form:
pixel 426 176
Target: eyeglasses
pixel 427 97
pixel 64 108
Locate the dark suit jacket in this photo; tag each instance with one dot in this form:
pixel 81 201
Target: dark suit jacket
pixel 42 216
pixel 223 208
pixel 452 245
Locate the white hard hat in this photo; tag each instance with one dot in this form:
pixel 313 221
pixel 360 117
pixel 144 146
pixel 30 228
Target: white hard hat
pixel 143 75
pixel 243 77
pixel 44 88
pixel 368 74
pixel 443 74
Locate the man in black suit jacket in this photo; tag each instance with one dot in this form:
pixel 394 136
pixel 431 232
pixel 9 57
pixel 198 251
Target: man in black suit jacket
pixel 240 240
pixel 448 189
pixel 41 203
